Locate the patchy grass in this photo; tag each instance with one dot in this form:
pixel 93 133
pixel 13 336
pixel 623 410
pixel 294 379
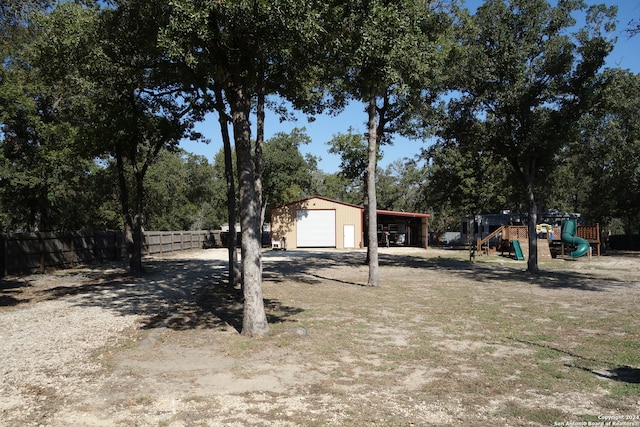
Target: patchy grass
pixel 440 342
pixel 559 346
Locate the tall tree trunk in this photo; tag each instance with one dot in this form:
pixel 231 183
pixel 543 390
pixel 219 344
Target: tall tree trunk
pixel 254 321
pixel 35 217
pixel 135 262
pixel 379 123
pixel 365 203
pixel 263 211
pixel 234 270
pixel 259 158
pixel 372 227
pixel 529 176
pixel 124 205
pixel 139 172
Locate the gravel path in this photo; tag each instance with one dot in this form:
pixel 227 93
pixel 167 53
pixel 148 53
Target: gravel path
pixel 48 352
pixel 61 331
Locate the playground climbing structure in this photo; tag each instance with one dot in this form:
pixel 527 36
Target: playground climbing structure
pixel 569 236
pixel 503 238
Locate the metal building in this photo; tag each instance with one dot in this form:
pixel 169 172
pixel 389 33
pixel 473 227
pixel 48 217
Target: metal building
pixel 318 222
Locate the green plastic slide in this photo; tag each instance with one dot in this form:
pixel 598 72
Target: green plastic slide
pixel 518 250
pixel 569 228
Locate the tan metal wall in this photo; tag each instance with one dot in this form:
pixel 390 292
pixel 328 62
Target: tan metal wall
pixel 283 221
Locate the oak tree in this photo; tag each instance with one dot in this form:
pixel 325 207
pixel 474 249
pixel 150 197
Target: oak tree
pixel 525 79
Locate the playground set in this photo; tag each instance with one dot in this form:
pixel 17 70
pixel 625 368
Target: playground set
pixel 568 241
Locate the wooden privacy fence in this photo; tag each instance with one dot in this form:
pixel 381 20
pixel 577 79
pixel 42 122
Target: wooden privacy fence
pixel 159 242
pixel 23 253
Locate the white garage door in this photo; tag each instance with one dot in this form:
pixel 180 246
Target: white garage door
pixel 316 228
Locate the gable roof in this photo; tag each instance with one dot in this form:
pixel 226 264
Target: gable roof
pixel 318 197
pixel 378 211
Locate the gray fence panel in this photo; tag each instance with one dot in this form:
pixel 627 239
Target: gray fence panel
pixel 166 242
pixel 24 253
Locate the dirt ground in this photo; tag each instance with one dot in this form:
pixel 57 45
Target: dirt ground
pixel 441 342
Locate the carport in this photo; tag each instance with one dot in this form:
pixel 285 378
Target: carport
pixel 403 228
pixel 318 222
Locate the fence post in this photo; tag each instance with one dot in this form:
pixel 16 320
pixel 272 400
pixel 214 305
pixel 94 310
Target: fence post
pixel 94 234
pixel 72 256
pixel 4 254
pixel 145 243
pixel 41 250
pixel 116 244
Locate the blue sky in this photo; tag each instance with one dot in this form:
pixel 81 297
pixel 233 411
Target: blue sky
pixel 354 116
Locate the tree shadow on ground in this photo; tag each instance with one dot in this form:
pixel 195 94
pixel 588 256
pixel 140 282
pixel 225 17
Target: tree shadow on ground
pixel 313 268
pixel 178 294
pixel 11 292
pixel 190 294
pixel 625 374
pixel 306 267
pixel 622 254
pixel 546 279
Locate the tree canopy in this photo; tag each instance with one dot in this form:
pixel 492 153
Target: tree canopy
pixel 95 98
pixel 604 157
pixel 393 54
pixel 524 83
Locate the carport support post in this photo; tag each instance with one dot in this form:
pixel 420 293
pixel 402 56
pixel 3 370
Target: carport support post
pixel 425 222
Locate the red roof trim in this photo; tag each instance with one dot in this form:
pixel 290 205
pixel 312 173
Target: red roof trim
pixel 409 214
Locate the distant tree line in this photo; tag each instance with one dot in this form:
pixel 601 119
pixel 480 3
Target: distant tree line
pixel 514 100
